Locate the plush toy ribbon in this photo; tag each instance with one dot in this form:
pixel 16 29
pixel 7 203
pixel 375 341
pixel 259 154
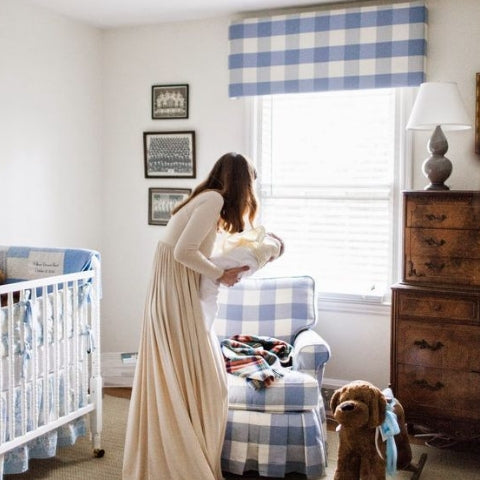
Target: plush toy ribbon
pixel 388 429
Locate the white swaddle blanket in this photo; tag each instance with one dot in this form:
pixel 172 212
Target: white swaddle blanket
pixel 253 248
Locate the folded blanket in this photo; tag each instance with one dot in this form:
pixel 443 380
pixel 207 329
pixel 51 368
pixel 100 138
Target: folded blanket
pixel 258 359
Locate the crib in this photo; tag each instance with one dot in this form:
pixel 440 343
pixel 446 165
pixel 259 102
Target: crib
pixel 50 377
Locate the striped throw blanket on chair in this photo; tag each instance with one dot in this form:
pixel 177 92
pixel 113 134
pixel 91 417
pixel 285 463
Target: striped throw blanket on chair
pixel 259 359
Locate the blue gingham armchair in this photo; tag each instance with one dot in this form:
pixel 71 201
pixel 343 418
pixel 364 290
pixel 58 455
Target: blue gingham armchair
pixel 282 428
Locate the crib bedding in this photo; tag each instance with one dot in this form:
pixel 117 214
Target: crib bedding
pixel 29 263
pixel 46 345
pixel 37 322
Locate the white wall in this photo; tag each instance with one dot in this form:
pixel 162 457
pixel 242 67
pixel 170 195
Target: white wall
pixel 135 59
pixel 50 128
pixel 52 149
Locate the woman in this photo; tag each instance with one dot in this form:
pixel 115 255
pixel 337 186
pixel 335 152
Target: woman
pixel 178 409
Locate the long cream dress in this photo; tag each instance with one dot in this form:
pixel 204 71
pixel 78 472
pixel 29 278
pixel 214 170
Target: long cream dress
pixel 178 409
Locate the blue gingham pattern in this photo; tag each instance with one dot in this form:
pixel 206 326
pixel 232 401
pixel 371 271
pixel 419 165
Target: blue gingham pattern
pixel 279 429
pixel 278 307
pixel 275 444
pixel 294 392
pixel 336 49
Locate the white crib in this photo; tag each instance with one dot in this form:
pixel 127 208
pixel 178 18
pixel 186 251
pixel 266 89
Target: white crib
pixel 50 376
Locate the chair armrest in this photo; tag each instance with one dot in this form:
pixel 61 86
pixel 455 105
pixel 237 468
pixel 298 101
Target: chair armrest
pixel 310 354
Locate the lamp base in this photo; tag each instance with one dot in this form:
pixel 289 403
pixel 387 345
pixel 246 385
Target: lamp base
pixel 433 186
pixel 437 168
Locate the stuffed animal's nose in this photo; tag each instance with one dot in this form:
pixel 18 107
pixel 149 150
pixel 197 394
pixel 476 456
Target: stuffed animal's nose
pixel 346 407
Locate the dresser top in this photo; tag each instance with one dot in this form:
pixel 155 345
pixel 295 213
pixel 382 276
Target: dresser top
pixel 441 192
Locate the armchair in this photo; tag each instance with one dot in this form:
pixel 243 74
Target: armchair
pixel 279 429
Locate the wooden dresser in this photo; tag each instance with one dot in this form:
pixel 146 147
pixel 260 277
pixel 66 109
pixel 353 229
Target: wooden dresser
pixel 435 351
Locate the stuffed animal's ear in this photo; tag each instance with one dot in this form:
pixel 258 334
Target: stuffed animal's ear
pixel 377 408
pixel 335 400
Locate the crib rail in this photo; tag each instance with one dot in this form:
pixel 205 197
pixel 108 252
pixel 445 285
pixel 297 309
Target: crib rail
pixel 50 368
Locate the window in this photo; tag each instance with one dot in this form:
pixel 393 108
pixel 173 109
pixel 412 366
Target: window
pixel 329 173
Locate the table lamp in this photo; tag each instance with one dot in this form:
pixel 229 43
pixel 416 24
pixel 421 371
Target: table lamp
pixel 438 106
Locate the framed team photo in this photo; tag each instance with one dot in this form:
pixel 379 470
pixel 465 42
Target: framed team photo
pixel 169 154
pixel 169 101
pixel 161 202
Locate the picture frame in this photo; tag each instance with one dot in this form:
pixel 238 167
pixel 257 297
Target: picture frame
pixel 169 154
pixel 169 101
pixel 477 114
pixel 161 202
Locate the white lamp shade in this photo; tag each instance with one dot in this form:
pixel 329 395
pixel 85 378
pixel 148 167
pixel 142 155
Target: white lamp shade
pixel 438 103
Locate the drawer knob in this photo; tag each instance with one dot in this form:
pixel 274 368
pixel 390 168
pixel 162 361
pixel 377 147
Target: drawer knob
pixel 413 271
pixel 434 243
pixel 427 386
pixel 436 218
pixel 436 267
pixel 423 344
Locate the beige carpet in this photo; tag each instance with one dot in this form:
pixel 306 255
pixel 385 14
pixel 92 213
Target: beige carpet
pixel 77 462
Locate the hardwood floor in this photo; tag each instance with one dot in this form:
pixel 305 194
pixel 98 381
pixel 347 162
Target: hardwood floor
pixel 122 392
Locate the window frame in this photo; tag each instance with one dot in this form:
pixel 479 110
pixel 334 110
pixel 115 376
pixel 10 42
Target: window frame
pixel 403 174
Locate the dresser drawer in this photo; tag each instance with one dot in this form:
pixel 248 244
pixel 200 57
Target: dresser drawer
pixel 433 242
pixel 435 392
pixel 442 270
pixel 443 211
pixel 437 307
pixel 439 346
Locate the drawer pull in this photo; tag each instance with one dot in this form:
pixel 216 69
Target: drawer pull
pixel 423 344
pixel 437 307
pixel 413 271
pixel 434 243
pixel 437 267
pixel 427 386
pixel 436 218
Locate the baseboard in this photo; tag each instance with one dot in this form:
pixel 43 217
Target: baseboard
pixel 118 368
pixel 329 386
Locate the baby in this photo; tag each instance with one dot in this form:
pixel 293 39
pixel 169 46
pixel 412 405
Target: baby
pixel 254 248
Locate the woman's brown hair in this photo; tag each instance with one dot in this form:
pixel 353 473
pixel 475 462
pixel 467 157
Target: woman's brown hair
pixel 232 176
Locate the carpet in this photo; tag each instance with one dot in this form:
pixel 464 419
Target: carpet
pixel 77 462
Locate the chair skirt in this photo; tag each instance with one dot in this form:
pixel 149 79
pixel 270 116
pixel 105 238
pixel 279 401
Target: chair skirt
pixel 274 444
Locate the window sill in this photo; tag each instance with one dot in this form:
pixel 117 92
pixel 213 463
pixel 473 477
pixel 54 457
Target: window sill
pixel 354 304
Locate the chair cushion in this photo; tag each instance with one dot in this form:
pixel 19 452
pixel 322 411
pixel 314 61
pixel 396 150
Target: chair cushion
pixel 294 392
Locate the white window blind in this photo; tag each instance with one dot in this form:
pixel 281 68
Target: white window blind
pixel 326 164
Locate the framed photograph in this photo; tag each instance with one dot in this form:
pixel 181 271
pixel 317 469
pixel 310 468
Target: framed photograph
pixel 169 101
pixel 477 114
pixel 161 202
pixel 169 154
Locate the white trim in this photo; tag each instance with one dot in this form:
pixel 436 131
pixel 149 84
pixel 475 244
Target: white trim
pixel 334 383
pixel 354 306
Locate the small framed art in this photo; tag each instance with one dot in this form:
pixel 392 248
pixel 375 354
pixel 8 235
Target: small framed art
pixel 169 101
pixel 161 202
pixel 169 154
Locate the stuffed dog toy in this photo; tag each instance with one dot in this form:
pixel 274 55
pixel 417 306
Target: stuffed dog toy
pixel 359 407
pixel 362 410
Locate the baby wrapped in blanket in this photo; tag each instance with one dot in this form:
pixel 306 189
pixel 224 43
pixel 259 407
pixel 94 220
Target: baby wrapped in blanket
pixel 254 248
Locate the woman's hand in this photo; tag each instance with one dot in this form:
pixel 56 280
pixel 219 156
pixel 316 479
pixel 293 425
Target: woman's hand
pixel 230 276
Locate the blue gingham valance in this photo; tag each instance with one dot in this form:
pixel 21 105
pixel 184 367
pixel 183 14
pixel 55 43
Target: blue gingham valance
pixel 339 49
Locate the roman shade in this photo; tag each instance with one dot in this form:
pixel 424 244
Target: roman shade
pixel 337 49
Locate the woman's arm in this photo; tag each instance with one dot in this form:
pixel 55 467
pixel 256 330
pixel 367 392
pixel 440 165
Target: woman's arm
pixel 202 221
